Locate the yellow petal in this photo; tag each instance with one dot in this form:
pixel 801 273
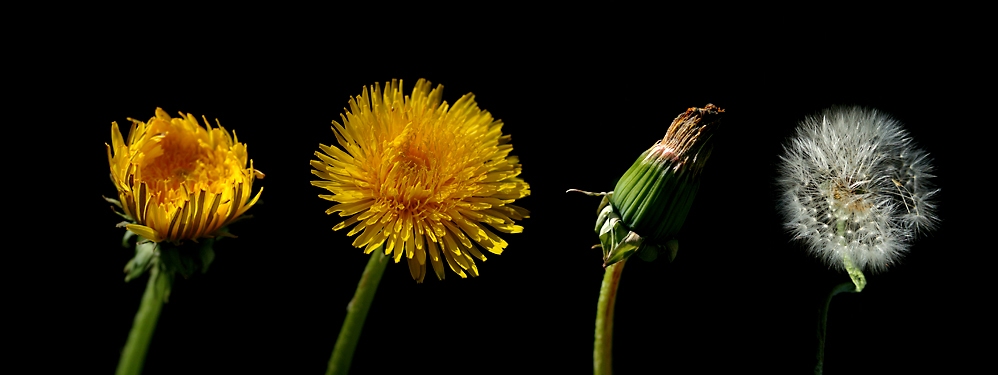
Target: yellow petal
pixel 145 232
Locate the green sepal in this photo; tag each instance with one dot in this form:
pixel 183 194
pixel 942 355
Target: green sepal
pixel 207 254
pixel 623 249
pixel 113 201
pixel 172 261
pixel 609 229
pixel 164 282
pixel 648 253
pixel 616 239
pixel 672 246
pixel 117 211
pixel 145 257
pixel 125 240
pixel 605 212
pixel 619 242
pixel 605 201
pixel 188 258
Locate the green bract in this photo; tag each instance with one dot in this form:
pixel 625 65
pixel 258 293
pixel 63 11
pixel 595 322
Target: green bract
pixel 650 202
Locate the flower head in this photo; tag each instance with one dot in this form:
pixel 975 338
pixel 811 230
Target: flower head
pixel 650 202
pixel 420 177
pixel 179 181
pixel 855 188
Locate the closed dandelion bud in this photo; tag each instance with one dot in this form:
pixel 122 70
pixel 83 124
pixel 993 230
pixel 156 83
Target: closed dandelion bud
pixel 651 200
pixel 856 190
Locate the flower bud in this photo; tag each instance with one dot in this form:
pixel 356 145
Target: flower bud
pixel 651 200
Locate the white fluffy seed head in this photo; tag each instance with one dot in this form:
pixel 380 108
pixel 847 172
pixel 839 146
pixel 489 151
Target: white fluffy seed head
pixel 854 185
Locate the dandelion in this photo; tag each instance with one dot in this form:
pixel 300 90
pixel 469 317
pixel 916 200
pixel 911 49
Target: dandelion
pixel 855 188
pixel 422 179
pixel 856 193
pixel 179 186
pixel 647 208
pixel 649 203
pixel 177 180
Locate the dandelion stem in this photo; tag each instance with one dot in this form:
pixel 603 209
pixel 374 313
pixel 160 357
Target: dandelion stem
pixel 134 354
pixel 823 324
pixel 854 273
pixel 339 362
pixel 602 348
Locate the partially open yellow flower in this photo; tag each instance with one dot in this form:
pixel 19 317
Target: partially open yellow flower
pixel 179 181
pixel 422 177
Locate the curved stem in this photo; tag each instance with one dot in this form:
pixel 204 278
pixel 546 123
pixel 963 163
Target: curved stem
pixel 134 354
pixel 823 323
pixel 339 362
pixel 854 273
pixel 602 348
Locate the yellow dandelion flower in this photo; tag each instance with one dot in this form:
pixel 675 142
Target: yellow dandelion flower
pixel 422 178
pixel 177 180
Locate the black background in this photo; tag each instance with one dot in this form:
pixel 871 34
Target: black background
pixel 740 295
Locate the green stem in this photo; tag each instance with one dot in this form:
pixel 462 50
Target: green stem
pixel 823 324
pixel 855 274
pixel 134 353
pixel 339 363
pixel 602 348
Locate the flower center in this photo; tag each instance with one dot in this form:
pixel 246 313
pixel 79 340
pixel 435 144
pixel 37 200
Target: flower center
pixel 175 166
pixel 848 201
pixel 412 180
pixel 414 159
pixel 181 163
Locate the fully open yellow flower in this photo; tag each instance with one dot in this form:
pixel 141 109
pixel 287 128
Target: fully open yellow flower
pixel 179 181
pixel 422 177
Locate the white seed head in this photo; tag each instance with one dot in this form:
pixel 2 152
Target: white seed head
pixel 854 185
